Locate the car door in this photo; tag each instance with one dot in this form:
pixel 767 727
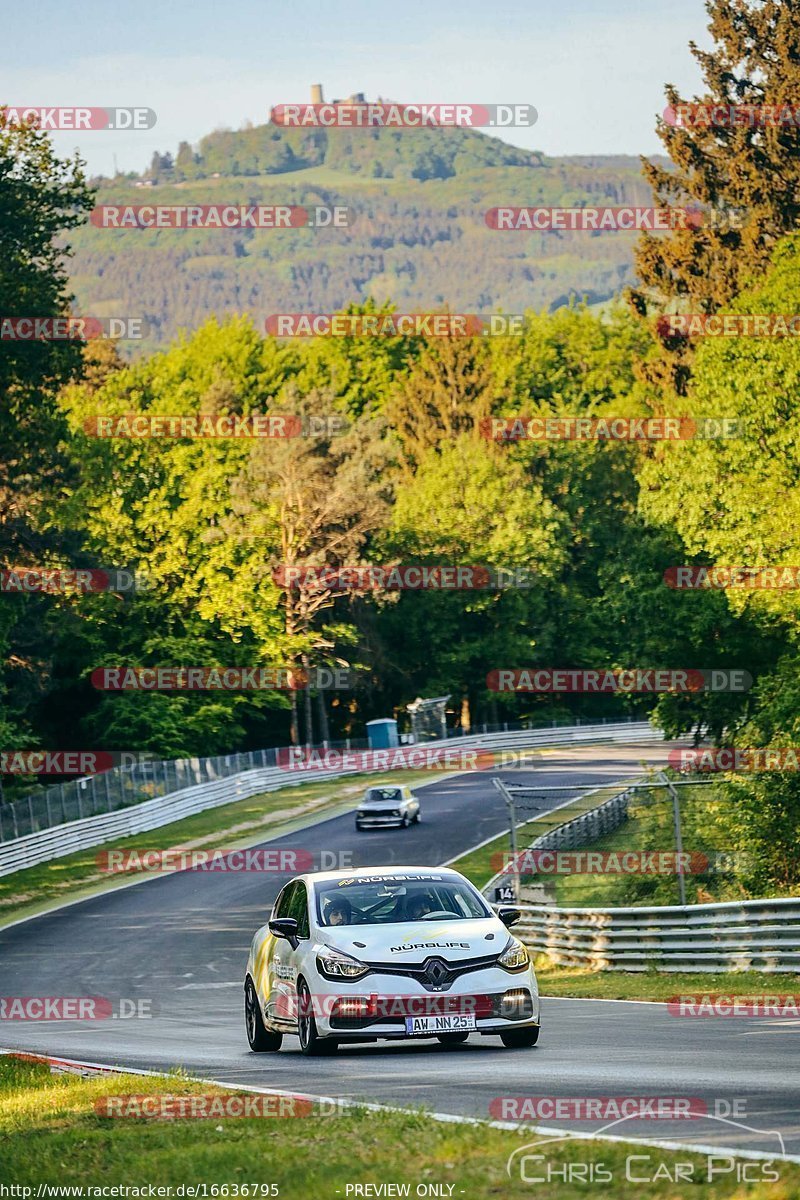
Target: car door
pixel 293 959
pixel 281 1007
pixel 412 802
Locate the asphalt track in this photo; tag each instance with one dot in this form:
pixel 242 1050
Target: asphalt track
pixel 179 943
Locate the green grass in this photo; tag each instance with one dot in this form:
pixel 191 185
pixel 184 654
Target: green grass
pixel 243 822
pixel 655 985
pixel 51 1134
pixel 605 891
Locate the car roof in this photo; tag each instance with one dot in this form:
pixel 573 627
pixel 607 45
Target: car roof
pixel 379 872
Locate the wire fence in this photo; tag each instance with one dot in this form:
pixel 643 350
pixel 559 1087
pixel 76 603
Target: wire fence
pixel 654 841
pixel 133 784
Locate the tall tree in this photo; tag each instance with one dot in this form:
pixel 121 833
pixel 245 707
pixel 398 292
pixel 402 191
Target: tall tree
pixel 752 169
pixel 41 198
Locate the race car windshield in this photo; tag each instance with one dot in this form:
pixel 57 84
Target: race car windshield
pixel 390 902
pixel 379 795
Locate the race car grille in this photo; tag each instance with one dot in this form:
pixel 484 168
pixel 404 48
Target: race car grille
pixel 435 974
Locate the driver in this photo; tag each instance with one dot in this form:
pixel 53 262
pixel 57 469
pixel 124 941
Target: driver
pixel 419 906
pixel 340 911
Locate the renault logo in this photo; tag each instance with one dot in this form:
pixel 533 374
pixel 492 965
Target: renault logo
pixel 436 972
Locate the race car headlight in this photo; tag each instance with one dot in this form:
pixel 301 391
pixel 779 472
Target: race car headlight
pixel 333 964
pixel 514 957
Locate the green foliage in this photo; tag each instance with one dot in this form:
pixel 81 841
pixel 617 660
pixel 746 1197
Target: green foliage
pixel 421 244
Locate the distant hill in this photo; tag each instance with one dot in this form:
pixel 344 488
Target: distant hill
pixel 419 236
pixel 420 154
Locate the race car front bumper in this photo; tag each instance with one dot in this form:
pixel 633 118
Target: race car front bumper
pixel 493 1001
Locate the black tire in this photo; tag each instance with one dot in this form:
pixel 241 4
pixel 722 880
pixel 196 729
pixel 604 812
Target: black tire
pixel 259 1037
pixel 416 817
pixel 311 1044
pixel 359 827
pixel 520 1039
pixel 451 1039
pixel 404 824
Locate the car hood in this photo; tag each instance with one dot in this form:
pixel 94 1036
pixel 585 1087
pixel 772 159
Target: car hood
pixel 411 942
pixel 382 803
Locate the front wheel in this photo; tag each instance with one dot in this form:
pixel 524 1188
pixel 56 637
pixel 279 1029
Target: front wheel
pixel 520 1039
pixel 311 1044
pixel 259 1037
pixel 405 821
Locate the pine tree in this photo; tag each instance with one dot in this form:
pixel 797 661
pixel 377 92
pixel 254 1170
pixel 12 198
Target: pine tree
pixel 749 172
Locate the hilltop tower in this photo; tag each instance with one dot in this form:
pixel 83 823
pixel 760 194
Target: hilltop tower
pixel 316 94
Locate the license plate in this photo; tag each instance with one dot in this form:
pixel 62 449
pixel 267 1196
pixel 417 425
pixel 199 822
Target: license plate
pixel 446 1023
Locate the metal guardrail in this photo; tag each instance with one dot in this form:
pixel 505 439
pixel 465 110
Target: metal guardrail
pixel 743 935
pixel 587 827
pixel 68 838
pixel 144 778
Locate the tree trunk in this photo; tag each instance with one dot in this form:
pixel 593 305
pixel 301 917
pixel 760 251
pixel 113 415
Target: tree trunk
pixel 324 730
pixel 466 724
pixel 307 703
pixel 294 730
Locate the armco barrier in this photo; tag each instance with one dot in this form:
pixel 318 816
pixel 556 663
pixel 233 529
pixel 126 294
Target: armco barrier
pixel 580 831
pixel 61 840
pixel 743 935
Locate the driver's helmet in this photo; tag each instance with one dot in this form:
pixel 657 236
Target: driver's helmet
pixel 419 905
pixel 339 911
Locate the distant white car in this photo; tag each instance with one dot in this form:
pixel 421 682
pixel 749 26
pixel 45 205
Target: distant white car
pixel 387 952
pixel 388 804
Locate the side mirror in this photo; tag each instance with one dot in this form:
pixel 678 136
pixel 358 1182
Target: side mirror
pixel 509 916
pixel 285 927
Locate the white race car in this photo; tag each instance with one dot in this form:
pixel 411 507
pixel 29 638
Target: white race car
pixel 387 952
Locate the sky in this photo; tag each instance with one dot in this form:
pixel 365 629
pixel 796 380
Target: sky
pixel 594 69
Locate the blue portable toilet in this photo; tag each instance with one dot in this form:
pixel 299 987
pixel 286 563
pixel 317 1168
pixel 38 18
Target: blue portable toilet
pixel 382 734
